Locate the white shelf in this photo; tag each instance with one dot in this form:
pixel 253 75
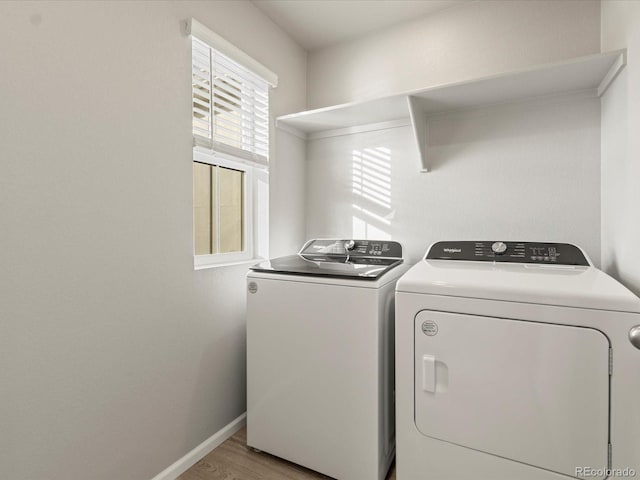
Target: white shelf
pixel 593 72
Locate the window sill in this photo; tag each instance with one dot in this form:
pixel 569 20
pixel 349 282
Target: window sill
pixel 228 264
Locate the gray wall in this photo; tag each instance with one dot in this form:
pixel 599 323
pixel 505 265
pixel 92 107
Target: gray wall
pixel 621 147
pixel 116 357
pixel 470 40
pixel 288 195
pixel 529 170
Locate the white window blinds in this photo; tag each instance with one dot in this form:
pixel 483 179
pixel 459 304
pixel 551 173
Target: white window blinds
pixel 230 105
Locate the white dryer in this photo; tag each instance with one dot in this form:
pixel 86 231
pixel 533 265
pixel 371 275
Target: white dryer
pixel 320 356
pixel 515 361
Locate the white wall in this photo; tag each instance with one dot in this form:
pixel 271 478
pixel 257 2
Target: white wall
pixel 466 41
pixel 116 356
pixel 621 147
pixel 288 196
pixel 528 171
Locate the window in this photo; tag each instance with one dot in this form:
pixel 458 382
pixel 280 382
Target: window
pixel 222 208
pixel 230 94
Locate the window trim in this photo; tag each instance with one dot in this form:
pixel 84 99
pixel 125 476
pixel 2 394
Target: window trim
pixel 225 47
pixel 248 247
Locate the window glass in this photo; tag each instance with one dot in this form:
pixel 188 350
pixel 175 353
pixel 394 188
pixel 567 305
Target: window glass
pixel 218 209
pixel 230 183
pixel 202 204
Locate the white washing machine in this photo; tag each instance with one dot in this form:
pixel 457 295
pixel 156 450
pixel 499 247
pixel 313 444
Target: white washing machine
pixel 515 361
pixel 320 357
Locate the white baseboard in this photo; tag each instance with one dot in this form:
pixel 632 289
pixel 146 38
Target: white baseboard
pixel 191 458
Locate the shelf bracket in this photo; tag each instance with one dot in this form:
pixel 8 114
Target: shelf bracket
pixel 613 72
pixel 419 125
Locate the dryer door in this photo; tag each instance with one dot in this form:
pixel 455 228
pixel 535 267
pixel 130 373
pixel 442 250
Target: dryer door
pixel 531 392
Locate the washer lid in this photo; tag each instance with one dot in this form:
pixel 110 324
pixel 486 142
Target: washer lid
pixel 570 286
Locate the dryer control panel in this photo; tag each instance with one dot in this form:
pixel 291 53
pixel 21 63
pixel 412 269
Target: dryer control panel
pixel 509 252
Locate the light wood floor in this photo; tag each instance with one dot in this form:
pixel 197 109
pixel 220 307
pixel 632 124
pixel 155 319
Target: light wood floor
pixel 233 460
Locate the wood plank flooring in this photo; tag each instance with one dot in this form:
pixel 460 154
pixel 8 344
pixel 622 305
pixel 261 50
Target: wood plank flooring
pixel 233 460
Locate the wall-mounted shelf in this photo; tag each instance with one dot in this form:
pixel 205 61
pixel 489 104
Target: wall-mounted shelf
pixel 593 72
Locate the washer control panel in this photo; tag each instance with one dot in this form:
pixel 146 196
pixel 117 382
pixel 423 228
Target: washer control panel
pixel 354 248
pixel 509 252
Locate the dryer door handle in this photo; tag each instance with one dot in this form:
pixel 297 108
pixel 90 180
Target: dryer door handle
pixel 429 373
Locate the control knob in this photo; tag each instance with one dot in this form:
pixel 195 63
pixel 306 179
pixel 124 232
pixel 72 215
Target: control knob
pixel 634 336
pixel 349 245
pixel 499 248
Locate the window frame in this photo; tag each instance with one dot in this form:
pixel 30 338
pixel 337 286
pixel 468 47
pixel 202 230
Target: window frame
pixel 202 155
pixel 254 164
